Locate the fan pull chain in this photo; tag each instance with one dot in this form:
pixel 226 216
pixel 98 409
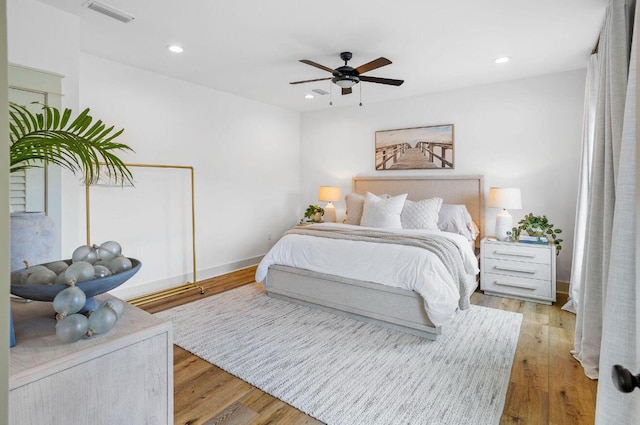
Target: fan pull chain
pixel 360 94
pixel 330 94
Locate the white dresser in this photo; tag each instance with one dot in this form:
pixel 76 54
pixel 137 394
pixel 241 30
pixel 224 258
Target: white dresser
pixel 518 270
pixel 124 376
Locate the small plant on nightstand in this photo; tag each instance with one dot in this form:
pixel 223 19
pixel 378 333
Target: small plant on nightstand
pixel 539 226
pixel 314 214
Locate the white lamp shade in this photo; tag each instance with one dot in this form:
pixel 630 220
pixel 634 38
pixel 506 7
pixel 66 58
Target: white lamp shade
pixel 505 197
pixel 329 194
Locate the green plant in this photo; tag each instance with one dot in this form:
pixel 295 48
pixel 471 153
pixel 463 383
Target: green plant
pixel 312 210
pixel 77 145
pixel 536 225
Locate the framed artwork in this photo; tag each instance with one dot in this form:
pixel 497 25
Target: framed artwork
pixel 415 148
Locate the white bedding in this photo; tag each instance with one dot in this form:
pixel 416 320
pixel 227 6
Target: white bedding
pixel 400 266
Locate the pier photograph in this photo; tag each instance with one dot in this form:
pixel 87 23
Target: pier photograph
pixel 415 148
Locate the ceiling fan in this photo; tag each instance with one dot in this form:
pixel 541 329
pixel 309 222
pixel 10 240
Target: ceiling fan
pixel 347 77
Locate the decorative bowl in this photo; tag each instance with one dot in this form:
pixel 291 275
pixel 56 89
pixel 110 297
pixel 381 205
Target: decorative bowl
pixel 90 287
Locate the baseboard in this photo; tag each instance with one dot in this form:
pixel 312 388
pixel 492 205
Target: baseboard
pixel 159 285
pixel 562 287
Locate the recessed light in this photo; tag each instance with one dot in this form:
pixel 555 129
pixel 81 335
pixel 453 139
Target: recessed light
pixel 175 48
pixel 308 96
pixel 503 59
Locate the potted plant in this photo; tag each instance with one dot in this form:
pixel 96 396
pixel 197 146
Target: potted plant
pixel 314 213
pixel 52 137
pixel 77 145
pixel 538 226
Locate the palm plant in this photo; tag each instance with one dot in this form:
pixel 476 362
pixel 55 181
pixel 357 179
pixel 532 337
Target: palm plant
pixel 79 145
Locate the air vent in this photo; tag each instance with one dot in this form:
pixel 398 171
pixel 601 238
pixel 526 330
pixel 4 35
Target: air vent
pixel 109 11
pixel 320 91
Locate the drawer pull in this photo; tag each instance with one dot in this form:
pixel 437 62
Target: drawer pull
pixel 516 285
pixel 515 269
pixel 514 254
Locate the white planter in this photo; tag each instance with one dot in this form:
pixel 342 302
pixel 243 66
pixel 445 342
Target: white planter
pixel 32 239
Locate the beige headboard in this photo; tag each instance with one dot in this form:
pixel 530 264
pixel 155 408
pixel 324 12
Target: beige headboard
pixel 466 190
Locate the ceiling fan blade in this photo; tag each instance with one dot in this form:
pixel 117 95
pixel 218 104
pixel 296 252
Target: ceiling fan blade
pixel 374 64
pixel 346 90
pixel 310 81
pixel 317 65
pixel 381 80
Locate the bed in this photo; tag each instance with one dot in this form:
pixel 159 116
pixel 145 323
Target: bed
pixel 400 307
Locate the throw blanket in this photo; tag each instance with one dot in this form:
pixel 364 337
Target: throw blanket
pixel 446 250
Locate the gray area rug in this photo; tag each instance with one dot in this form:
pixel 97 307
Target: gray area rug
pixel 342 371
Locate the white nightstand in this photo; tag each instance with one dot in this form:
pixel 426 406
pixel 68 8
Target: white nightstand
pixel 518 270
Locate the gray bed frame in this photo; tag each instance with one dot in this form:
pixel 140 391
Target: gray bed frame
pixel 394 308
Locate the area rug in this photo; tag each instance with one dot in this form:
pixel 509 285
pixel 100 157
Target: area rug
pixel 342 371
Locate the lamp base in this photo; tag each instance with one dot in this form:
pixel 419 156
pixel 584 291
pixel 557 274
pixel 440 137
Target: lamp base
pixel 330 213
pixel 504 224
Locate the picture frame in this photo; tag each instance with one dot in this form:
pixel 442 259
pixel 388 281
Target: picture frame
pixel 416 148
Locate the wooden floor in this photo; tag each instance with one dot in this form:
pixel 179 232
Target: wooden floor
pixel 547 385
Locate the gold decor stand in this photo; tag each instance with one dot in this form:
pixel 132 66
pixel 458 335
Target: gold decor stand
pixel 176 290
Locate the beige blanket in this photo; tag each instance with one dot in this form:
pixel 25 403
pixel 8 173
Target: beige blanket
pixel 445 249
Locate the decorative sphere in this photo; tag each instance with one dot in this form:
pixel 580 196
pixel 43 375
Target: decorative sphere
pixel 58 266
pixel 115 304
pixel 79 271
pixel 61 279
pixel 101 271
pixel 102 320
pixel 109 250
pixel 84 253
pixel 29 271
pixel 72 328
pixel 69 301
pixel 119 264
pixel 41 277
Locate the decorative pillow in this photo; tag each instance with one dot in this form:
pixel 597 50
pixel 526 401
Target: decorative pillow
pixel 421 215
pixel 355 204
pixel 456 219
pixel 384 213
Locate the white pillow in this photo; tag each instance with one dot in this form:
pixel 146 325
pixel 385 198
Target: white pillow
pixel 421 214
pixel 384 213
pixel 355 204
pixel 456 219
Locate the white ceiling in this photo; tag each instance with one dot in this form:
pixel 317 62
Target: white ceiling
pixel 251 48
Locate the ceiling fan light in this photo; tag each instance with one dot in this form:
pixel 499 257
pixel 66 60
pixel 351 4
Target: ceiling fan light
pixel 346 81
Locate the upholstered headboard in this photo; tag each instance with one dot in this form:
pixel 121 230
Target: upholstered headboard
pixel 467 190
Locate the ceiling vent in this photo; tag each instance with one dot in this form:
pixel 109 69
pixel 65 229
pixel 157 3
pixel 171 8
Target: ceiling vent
pixel 320 91
pixel 109 11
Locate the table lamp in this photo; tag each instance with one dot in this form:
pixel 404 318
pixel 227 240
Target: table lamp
pixel 329 194
pixel 504 197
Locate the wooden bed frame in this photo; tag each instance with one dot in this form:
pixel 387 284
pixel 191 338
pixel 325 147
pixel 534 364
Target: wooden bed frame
pixel 394 308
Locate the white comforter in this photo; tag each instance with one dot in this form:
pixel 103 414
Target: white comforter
pixel 401 266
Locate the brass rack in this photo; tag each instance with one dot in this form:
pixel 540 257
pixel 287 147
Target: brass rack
pixel 166 293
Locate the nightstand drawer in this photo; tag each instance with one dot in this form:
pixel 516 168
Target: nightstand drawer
pixel 517 253
pixel 517 268
pixel 514 285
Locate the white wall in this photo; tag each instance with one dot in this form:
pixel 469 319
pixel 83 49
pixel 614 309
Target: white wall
pixel 245 154
pixel 246 160
pixel 524 133
pixel 45 38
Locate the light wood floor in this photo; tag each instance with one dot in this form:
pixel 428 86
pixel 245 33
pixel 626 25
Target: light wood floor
pixel 547 385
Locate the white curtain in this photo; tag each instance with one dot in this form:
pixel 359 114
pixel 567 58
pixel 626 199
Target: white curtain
pixel 620 333
pixel 607 299
pixel 607 162
pixel 582 206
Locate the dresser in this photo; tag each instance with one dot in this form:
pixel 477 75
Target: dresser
pixel 124 376
pixel 518 270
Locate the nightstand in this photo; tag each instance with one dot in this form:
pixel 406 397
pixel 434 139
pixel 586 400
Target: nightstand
pixel 518 270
